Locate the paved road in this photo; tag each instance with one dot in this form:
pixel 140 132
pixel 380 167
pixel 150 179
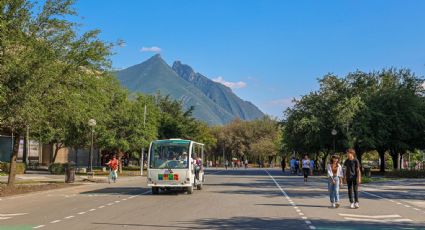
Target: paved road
pixel 233 199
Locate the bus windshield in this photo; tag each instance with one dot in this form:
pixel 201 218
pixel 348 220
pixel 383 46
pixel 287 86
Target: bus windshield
pixel 169 154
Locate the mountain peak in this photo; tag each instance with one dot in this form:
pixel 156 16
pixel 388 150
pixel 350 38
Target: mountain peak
pixel 184 71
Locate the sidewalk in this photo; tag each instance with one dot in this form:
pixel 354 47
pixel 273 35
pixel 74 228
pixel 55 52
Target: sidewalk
pixel 43 177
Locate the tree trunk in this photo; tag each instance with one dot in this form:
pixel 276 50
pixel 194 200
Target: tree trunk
pixel 381 153
pixel 55 154
pixel 120 154
pixel 13 157
pixel 394 157
pixel 324 162
pixel 25 149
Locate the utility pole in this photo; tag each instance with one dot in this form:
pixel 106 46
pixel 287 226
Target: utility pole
pixel 143 148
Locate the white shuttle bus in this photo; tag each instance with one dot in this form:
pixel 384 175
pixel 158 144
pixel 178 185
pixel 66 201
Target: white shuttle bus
pixel 175 164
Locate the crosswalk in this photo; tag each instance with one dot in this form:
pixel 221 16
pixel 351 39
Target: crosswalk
pixel 394 218
pixel 7 216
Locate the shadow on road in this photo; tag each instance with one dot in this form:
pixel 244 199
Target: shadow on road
pixel 116 191
pixel 260 223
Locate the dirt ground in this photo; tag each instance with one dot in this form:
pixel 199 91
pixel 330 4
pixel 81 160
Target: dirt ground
pixel 27 188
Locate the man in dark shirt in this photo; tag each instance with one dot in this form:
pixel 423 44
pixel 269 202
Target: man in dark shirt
pixel 352 177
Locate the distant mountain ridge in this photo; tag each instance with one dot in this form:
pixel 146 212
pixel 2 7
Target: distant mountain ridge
pixel 214 103
pixel 219 93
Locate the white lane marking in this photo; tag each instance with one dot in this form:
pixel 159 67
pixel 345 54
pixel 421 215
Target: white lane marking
pixel 110 204
pixel 124 199
pixel 298 210
pixel 101 206
pixel 39 226
pixel 117 201
pixel 398 203
pixel 55 221
pixel 81 213
pixel 308 222
pixel 368 216
pixel 417 209
pixel 375 220
pixel 12 214
pixel 69 217
pixel 407 206
pixel 311 226
pixel 5 218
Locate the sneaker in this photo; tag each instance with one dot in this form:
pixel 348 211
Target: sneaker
pixel 333 205
pixel 337 205
pixel 352 205
pixel 356 205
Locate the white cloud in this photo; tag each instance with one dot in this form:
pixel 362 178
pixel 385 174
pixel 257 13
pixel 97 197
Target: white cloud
pixel 232 85
pixel 154 49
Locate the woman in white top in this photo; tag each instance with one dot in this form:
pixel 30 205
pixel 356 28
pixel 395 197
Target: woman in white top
pixel 306 167
pixel 335 175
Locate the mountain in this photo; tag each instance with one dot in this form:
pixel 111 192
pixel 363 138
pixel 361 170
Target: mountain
pixel 155 75
pixel 219 93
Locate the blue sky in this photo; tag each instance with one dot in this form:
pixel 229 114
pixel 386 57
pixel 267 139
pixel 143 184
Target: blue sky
pixel 271 51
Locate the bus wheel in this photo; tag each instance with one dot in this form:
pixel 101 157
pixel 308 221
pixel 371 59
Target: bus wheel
pixel 155 190
pixel 190 190
pixel 199 186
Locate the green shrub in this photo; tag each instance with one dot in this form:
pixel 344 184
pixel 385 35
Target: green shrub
pixel 57 168
pixel 20 167
pixel 406 173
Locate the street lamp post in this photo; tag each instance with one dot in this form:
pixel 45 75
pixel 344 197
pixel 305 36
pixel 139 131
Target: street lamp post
pixel 334 133
pixel 92 124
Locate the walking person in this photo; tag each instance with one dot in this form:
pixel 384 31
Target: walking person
pixel 283 164
pixel 306 167
pixel 113 167
pixel 335 177
pixel 246 163
pixel 226 164
pixel 292 165
pixel 352 177
pixel 311 167
pixel 297 166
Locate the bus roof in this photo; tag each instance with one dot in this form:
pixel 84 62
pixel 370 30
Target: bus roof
pixel 176 141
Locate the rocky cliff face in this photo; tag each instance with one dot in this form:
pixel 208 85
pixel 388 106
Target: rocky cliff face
pixel 214 103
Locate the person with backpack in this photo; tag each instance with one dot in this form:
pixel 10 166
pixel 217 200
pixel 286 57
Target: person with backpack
pixel 352 177
pixel 113 168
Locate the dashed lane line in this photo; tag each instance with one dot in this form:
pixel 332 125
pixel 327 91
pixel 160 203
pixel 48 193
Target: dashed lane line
pixel 39 226
pixel 308 223
pixel 396 202
pixel 69 217
pixel 81 213
pixel 55 221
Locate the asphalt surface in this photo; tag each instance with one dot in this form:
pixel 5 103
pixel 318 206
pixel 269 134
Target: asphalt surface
pixel 232 199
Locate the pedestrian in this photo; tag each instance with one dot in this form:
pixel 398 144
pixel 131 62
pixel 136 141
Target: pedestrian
pixel 292 165
pixel 335 176
pixel 311 167
pixel 246 163
pixel 283 164
pixel 226 164
pixel 352 177
pixel 297 166
pixel 113 167
pixel 306 167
